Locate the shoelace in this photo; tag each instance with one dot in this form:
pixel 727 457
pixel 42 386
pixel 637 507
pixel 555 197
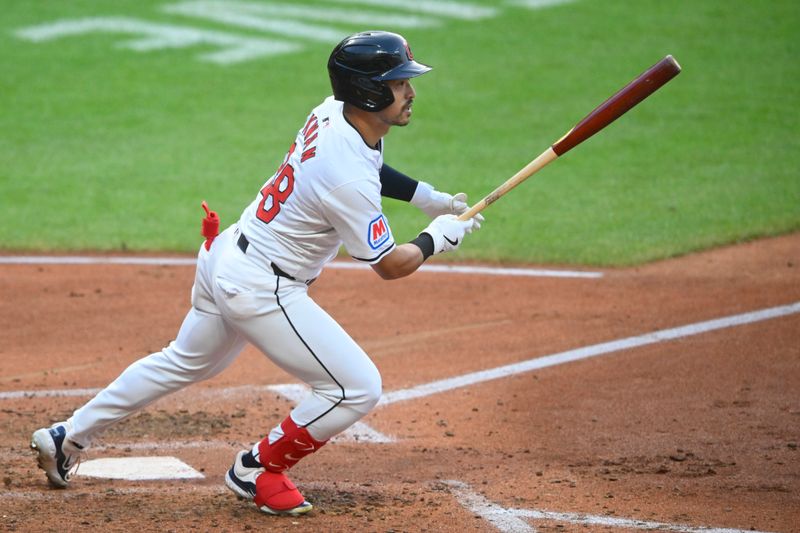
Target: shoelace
pixel 71 463
pixel 73 468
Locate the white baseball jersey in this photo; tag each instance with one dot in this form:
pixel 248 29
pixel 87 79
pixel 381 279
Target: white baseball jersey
pixel 326 193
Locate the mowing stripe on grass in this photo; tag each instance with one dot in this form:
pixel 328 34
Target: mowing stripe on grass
pixel 239 15
pixel 443 8
pixel 538 4
pixel 254 15
pixel 154 36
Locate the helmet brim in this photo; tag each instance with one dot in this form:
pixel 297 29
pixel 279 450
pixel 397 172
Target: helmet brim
pixel 412 69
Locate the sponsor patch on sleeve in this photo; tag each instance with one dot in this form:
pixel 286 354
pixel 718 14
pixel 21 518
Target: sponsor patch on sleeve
pixel 378 232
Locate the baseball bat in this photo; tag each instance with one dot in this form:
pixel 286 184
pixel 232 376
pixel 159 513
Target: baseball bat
pixel 640 88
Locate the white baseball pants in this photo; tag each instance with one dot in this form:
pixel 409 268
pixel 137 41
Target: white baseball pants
pixel 236 300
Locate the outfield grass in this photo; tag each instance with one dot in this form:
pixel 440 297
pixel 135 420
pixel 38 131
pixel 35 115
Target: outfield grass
pixel 109 149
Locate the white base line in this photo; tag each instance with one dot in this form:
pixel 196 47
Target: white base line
pixel 166 445
pixel 510 520
pixel 586 352
pixel 57 393
pixel 435 387
pixel 89 260
pixel 341 265
pixel 503 519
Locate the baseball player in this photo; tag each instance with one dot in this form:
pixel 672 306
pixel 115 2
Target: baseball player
pixel 251 281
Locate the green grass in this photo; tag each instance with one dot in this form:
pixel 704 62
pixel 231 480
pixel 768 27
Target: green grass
pixel 109 149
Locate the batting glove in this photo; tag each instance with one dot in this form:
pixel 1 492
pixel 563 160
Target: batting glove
pixel 448 232
pixel 436 203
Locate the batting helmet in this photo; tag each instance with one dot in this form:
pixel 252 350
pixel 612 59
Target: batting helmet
pixel 360 64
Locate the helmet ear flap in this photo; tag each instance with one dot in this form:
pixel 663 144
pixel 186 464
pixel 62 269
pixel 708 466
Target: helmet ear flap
pixel 365 84
pixel 371 95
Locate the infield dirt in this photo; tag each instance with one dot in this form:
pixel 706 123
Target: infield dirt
pixel 702 430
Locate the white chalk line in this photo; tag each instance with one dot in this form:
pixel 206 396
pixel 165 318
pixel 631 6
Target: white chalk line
pixel 294 391
pixel 358 432
pixel 56 393
pixel 587 352
pixel 167 445
pixel 361 432
pixel 335 265
pixel 145 446
pixel 510 520
pixel 501 518
pixel 507 520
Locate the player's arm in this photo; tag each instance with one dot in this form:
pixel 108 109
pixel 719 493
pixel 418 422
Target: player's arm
pixel 395 184
pixel 444 234
pixel 354 211
pixel 405 259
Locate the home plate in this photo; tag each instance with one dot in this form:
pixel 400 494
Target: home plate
pixel 138 468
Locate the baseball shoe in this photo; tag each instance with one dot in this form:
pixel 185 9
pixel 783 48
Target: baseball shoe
pixel 283 497
pixel 56 455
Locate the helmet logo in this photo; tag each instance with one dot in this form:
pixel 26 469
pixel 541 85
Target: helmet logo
pixel 408 51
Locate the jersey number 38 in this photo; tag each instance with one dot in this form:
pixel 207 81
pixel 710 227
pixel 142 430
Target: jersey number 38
pixel 277 190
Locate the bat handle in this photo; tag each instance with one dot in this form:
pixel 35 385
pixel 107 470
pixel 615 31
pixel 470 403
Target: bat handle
pixel 472 211
pixel 526 172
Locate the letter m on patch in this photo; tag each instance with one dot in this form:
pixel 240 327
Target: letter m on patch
pixel 378 232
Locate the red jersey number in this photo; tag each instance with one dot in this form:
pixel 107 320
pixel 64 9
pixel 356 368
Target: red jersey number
pixel 277 191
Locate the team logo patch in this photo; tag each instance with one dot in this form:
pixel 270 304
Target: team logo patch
pixel 378 232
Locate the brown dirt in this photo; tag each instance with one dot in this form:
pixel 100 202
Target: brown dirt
pixel 703 430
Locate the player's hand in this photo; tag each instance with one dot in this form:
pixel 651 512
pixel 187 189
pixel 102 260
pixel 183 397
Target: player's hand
pixel 448 232
pixel 459 205
pixel 436 203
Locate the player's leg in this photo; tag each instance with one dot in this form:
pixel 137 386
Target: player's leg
pixel 205 345
pixel 304 340
pixel 308 343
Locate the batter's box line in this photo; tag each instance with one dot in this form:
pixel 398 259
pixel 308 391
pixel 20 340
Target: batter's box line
pixel 363 433
pixel 296 392
pixel 511 520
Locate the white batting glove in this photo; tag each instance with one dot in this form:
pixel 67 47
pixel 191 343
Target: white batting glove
pixel 459 205
pixel 435 203
pixel 448 232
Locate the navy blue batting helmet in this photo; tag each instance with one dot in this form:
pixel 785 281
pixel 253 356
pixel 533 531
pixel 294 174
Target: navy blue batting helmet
pixel 361 63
